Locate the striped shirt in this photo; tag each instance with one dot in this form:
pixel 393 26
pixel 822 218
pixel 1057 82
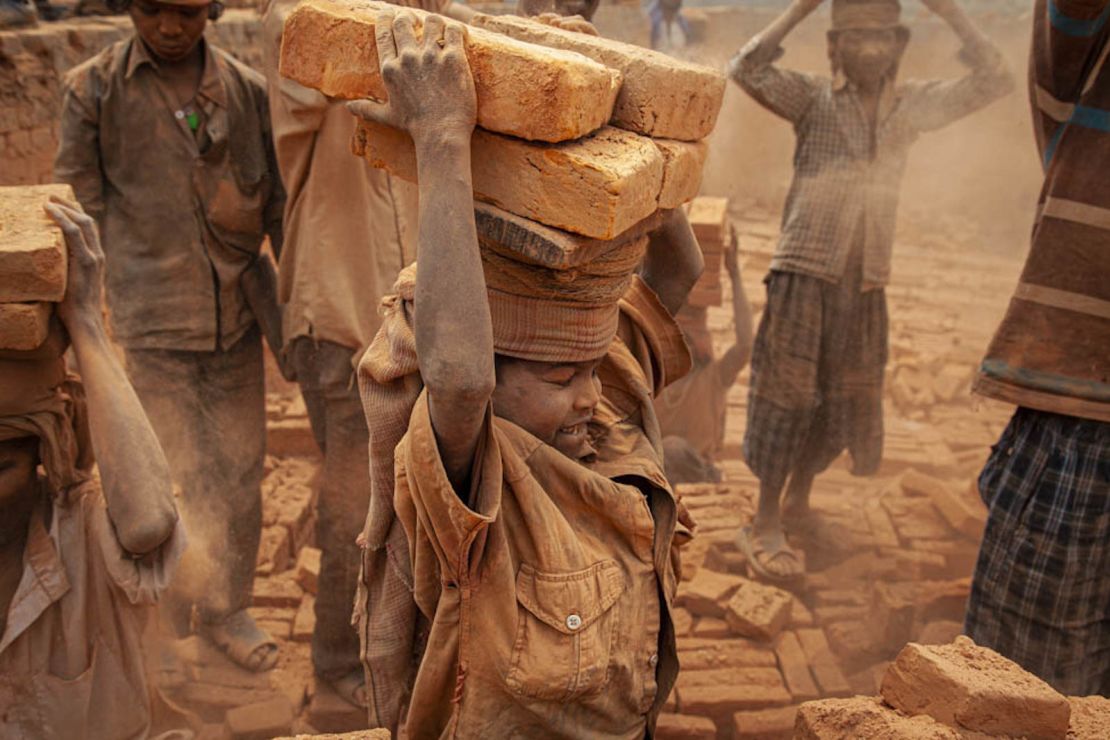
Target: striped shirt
pixel 846 179
pixel 1052 351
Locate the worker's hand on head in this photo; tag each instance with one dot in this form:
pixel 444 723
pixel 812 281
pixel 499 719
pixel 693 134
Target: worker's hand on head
pixel 430 88
pixel 83 299
pixel 575 23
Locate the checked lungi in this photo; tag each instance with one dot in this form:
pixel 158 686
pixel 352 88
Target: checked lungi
pixel 1041 592
pixel 817 377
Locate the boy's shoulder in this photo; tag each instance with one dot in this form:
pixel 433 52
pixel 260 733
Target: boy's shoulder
pixel 238 71
pixel 101 66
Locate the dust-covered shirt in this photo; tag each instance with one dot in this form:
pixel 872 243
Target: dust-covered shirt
pixel 549 590
pixel 71 657
pixel 182 213
pixel 847 178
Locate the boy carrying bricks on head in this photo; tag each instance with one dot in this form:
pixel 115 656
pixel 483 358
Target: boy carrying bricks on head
pixel 528 478
pixel 821 347
pixel 166 142
pixel 82 556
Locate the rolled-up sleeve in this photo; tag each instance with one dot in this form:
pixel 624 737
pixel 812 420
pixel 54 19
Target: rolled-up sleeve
pixel 428 505
pixel 785 93
pixel 937 103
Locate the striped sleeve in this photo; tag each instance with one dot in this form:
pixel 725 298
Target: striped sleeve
pixel 1070 42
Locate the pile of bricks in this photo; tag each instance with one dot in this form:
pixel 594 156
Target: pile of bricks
pixel 710 221
pixel 956 691
pixel 33 264
pixel 579 133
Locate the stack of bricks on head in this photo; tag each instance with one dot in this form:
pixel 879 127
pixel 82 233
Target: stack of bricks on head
pixel 33 266
pixel 709 219
pixel 958 691
pixel 581 141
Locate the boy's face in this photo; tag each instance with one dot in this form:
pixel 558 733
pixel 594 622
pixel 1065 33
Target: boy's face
pixel 19 459
pixel 552 401
pixel 170 31
pixel 868 56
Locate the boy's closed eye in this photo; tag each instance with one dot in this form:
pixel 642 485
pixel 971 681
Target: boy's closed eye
pixel 561 375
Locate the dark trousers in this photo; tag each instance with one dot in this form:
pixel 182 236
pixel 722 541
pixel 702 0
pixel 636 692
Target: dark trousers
pixel 326 376
pixel 208 410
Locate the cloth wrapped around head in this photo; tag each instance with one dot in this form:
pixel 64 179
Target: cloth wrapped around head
pixel 865 14
pixel 538 313
pixel 38 398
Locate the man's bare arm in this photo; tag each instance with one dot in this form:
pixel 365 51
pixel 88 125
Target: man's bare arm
pixel 133 469
pixel 770 38
pixel 737 356
pixel 431 96
pixel 673 262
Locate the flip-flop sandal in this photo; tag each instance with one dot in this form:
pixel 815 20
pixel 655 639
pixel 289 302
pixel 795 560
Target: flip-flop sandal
pixel 240 638
pixel 751 548
pixel 348 687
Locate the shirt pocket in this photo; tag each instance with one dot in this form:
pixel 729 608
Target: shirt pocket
pixel 566 627
pixel 100 702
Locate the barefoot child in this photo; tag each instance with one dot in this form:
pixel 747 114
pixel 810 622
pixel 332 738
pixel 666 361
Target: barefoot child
pixel 166 142
pixel 528 479
pixel 821 347
pixel 82 557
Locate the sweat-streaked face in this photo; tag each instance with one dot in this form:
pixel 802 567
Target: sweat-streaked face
pixel 867 56
pixel 19 459
pixel 552 401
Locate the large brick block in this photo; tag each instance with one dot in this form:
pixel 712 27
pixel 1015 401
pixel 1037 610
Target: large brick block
pixel 758 611
pixel 683 162
pixel 522 89
pixel 1090 717
pixel 32 248
pixel 24 326
pixel 864 717
pixel 531 242
pixel 967 686
pixel 660 96
pixel 708 592
pixel 598 186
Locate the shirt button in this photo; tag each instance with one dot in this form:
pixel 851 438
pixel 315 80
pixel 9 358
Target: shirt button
pixel 653 660
pixel 574 622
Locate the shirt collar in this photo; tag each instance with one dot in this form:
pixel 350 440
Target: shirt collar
pixel 44 578
pixel 211 86
pixel 887 96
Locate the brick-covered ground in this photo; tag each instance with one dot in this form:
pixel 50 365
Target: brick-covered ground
pixel 749 654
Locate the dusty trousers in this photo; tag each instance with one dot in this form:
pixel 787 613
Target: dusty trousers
pixel 208 410
pixel 326 377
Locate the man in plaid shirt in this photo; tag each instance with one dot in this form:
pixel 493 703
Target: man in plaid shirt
pixel 821 347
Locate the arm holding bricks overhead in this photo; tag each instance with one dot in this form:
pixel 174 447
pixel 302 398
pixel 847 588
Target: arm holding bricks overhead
pixel 785 93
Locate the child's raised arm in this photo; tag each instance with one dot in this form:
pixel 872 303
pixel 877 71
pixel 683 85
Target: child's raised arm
pixel 134 474
pixel 431 96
